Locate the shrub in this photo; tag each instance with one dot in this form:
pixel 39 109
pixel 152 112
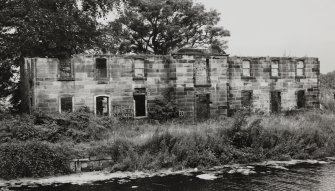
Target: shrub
pixel 164 109
pixel 31 159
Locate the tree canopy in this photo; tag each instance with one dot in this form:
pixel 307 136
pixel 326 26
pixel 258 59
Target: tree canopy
pixel 46 28
pixel 161 26
pixel 60 28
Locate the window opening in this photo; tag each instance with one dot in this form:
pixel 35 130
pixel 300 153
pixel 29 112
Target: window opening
pixel 300 68
pixel 66 104
pixel 274 69
pixel 101 67
pixel 139 68
pixel 140 105
pixel 300 99
pixel 275 101
pixel 201 72
pixel 102 105
pixel 65 69
pixel 246 99
pixel 246 68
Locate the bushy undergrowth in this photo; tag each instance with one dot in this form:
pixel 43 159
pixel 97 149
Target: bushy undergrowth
pixel 31 159
pixel 164 109
pixel 77 127
pixel 141 146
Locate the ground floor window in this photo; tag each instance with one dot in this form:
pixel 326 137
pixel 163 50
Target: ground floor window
pixel 140 104
pixel 300 99
pixel 246 100
pixel 66 104
pixel 275 101
pixel 102 105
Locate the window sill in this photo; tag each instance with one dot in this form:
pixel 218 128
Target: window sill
pixel 102 78
pixel 202 85
pixel 65 79
pixel 141 117
pixel 139 78
pixel 247 77
pixel 275 77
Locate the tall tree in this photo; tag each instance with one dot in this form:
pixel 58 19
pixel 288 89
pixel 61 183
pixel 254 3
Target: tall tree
pixel 160 26
pixel 40 28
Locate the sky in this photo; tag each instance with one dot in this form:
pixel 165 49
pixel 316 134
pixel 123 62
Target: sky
pixel 294 28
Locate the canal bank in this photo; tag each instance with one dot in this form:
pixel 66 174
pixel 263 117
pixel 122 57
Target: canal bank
pixel 257 175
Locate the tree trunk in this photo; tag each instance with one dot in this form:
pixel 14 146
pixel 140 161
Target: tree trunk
pixel 24 87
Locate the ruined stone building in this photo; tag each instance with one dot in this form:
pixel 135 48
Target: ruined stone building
pixel 205 83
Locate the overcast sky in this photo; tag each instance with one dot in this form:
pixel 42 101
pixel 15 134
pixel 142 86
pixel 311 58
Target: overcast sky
pixel 279 27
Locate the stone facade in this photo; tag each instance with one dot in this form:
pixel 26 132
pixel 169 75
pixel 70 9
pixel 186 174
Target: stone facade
pixel 205 84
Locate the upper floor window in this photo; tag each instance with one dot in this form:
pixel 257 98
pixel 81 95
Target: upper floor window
pixel 300 68
pixel 246 68
pixel 274 69
pixel 101 67
pixel 201 73
pixel 65 70
pixel 139 69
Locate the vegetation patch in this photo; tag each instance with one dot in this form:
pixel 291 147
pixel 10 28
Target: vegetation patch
pixel 42 144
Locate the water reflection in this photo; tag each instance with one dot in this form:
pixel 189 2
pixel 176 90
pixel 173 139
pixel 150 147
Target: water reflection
pixel 299 177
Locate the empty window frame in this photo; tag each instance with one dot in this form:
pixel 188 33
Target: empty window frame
pixel 66 104
pixel 139 69
pixel 275 104
pixel 101 67
pixel 300 69
pixel 246 68
pixel 301 100
pixel 275 68
pixel 102 105
pixel 246 100
pixel 201 73
pixel 65 70
pixel 140 103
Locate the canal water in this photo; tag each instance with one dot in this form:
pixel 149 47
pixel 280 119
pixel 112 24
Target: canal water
pixel 300 176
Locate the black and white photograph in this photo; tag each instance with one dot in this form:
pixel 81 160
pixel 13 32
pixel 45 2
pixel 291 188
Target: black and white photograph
pixel 167 95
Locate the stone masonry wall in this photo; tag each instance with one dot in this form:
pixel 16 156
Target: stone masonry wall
pixel 187 90
pixel 261 83
pixel 119 84
pixel 204 85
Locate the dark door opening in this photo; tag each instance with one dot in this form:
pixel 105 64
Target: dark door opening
pixel 202 107
pixel 102 105
pixel 300 99
pixel 140 106
pixel 275 101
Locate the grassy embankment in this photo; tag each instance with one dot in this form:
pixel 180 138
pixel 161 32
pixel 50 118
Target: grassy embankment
pixel 40 144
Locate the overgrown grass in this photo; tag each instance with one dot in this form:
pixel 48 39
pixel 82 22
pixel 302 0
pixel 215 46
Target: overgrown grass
pixel 139 145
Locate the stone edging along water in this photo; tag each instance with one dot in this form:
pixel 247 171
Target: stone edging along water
pixel 101 163
pixel 90 164
pixel 80 178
